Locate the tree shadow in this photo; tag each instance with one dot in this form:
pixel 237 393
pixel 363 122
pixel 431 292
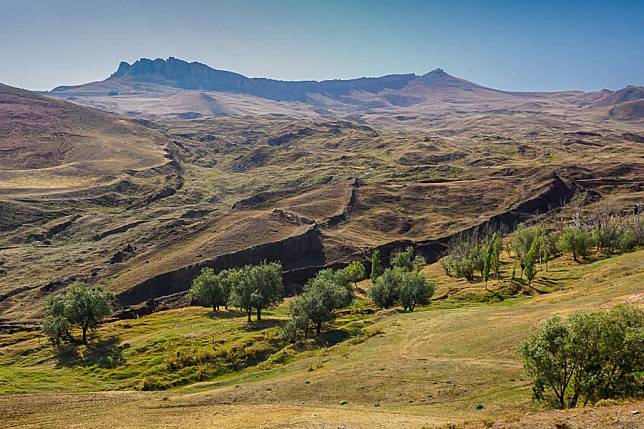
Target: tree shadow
pixel 226 314
pixel 258 325
pixel 105 353
pixel 331 338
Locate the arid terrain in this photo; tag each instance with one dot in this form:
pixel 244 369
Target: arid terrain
pixel 139 181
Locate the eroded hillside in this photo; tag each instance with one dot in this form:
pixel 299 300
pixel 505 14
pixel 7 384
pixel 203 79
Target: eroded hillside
pixel 145 205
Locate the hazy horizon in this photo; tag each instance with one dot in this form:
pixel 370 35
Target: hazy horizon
pixel 515 46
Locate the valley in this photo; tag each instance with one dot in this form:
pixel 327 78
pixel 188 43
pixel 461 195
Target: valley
pixel 140 181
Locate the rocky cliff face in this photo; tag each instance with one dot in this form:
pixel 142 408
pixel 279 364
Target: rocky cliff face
pixel 196 76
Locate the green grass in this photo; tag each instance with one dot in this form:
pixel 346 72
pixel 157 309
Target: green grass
pixel 450 361
pixel 181 347
pixel 160 351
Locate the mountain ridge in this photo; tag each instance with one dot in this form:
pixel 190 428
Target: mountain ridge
pixel 177 73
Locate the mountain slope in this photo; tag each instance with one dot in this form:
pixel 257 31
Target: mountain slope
pixel 50 138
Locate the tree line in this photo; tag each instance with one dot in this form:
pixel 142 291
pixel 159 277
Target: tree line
pixel 532 247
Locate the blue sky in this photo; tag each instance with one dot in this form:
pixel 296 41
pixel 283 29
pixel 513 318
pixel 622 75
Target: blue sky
pixel 513 45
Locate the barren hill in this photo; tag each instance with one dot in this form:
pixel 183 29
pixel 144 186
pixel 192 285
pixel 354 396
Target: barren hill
pixel 48 144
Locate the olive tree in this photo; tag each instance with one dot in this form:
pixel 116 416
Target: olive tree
pixel 385 291
pixel 81 306
pixel 355 271
pixel 211 289
pixel 590 356
pixel 414 290
pixel 576 241
pixel 327 292
pixel 256 287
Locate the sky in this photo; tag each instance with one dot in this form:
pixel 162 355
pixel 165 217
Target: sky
pixel 512 45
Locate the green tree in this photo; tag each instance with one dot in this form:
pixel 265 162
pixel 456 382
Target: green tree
pixel 375 264
pixel 355 271
pixel 210 289
pixel 459 266
pixel 489 256
pixel 576 241
pixel 495 257
pixel 385 291
pixel 590 356
pixel 81 306
pixel 529 268
pixel 548 248
pixel 327 292
pixel 414 290
pixel 257 287
pixel 403 259
pixel 418 263
pixel 521 242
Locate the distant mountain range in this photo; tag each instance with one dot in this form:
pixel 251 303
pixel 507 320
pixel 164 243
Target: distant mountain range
pixel 177 73
pixel 177 88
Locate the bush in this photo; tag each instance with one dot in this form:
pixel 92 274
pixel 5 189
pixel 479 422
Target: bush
pixel 588 357
pixel 80 306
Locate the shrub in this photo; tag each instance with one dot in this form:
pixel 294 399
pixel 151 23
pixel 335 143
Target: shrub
pixel 80 306
pixel 588 357
pixel 418 263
